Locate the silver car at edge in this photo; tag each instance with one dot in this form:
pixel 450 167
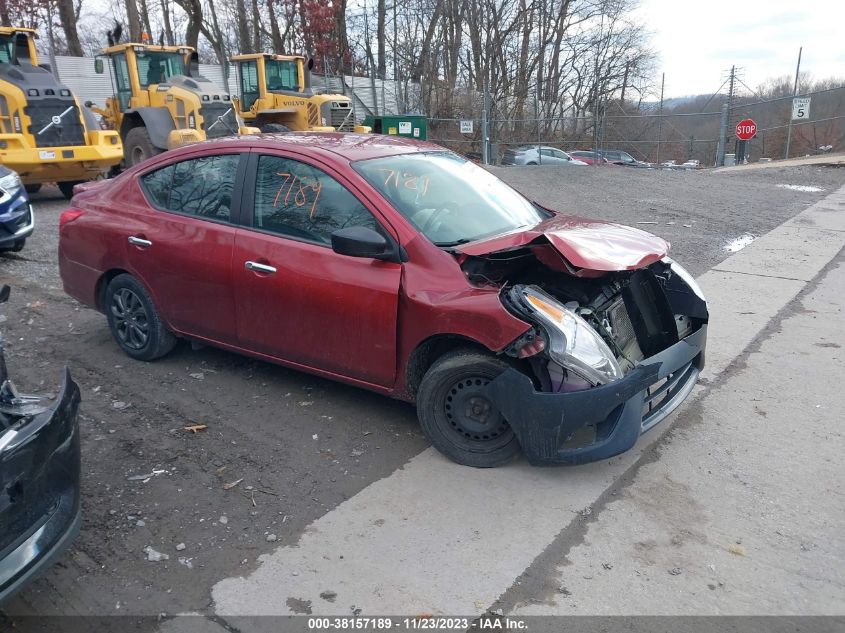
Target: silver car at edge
pixel 538 155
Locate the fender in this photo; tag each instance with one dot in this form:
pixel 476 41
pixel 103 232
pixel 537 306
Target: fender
pixel 158 122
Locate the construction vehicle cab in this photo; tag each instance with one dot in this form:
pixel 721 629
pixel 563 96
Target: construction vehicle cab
pixel 276 96
pixel 160 101
pixel 45 135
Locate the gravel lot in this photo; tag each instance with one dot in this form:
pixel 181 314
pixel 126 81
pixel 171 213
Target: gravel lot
pixel 297 445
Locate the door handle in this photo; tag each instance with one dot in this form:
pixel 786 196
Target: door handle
pixel 259 268
pixel 139 241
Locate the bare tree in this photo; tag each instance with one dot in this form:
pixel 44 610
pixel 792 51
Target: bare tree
pixel 68 17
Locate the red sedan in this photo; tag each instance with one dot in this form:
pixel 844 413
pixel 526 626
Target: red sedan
pixel 403 268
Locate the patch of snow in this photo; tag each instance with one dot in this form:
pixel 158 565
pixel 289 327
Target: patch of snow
pixel 804 188
pixel 738 243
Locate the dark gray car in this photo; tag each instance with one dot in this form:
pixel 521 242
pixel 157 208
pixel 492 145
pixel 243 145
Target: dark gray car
pixel 538 155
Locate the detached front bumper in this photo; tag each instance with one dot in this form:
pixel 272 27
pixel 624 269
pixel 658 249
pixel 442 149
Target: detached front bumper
pixel 40 480
pixel 584 426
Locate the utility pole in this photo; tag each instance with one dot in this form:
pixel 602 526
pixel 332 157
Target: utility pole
pixel 794 92
pixel 660 117
pixel 53 68
pixel 537 116
pixel 396 59
pixel 721 148
pixel 371 71
pixel 723 135
pixel 485 152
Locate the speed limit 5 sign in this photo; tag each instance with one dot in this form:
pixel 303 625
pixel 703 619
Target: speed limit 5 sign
pixel 800 108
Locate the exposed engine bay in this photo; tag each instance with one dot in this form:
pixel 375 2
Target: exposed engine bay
pixel 591 327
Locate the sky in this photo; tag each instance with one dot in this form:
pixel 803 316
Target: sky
pixel 699 41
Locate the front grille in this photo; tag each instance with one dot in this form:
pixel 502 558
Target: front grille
pixel 662 397
pixel 45 128
pixel 342 119
pixel 214 127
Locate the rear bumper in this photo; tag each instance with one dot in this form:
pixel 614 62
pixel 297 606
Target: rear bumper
pixel 551 426
pixel 62 164
pixel 40 476
pixel 38 552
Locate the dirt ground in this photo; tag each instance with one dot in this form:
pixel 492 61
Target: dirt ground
pixel 281 448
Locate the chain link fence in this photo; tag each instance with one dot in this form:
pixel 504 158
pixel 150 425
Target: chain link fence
pixel 683 133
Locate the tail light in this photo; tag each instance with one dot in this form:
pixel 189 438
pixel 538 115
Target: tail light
pixel 69 216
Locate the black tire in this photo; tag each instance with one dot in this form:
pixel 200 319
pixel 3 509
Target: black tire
pixel 33 188
pixel 531 163
pixel 67 188
pixel 137 147
pixel 274 128
pixel 134 321
pixel 16 247
pixel 456 415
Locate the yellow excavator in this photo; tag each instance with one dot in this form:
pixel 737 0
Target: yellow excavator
pixel 276 96
pixel 160 100
pixel 45 135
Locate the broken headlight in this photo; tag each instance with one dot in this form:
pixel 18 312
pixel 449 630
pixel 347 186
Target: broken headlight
pixel 572 342
pixel 11 182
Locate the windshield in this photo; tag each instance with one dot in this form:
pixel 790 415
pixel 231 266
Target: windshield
pixel 281 75
pixel 155 67
pixel 449 199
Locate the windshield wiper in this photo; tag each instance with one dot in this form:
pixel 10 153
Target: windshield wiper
pixel 463 240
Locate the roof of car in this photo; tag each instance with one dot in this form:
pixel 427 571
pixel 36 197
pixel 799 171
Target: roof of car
pixel 351 146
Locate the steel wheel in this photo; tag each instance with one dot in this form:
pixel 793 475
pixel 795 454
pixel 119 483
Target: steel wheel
pixel 456 413
pixel 131 321
pixel 471 414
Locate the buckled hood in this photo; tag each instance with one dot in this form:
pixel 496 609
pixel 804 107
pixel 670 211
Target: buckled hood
pixel 592 245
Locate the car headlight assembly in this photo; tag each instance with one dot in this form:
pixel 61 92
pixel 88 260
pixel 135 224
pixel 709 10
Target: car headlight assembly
pixel 11 182
pixel 573 343
pixel 685 276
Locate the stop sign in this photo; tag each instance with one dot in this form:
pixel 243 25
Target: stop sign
pixel 746 129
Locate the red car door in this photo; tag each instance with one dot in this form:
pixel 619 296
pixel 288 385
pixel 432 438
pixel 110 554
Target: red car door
pixel 296 299
pixel 180 243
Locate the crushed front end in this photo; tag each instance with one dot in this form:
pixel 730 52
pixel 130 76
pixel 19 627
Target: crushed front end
pixel 39 480
pixel 608 357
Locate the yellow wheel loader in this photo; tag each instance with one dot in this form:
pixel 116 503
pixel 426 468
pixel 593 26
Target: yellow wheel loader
pixel 276 96
pixel 45 135
pixel 160 101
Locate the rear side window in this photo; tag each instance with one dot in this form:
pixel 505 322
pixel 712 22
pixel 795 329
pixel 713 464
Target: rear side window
pixel 200 187
pixel 302 202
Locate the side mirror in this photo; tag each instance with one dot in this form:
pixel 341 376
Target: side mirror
pixel 4 293
pixel 359 241
pixel 98 65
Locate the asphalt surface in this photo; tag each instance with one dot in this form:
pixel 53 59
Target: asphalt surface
pixel 282 448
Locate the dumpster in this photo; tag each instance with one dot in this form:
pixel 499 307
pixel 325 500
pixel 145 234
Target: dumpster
pixel 407 125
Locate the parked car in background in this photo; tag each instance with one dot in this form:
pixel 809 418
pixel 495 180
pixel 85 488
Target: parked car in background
pixel 39 478
pixel 538 155
pixel 401 267
pixel 16 218
pixel 589 157
pixel 618 157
